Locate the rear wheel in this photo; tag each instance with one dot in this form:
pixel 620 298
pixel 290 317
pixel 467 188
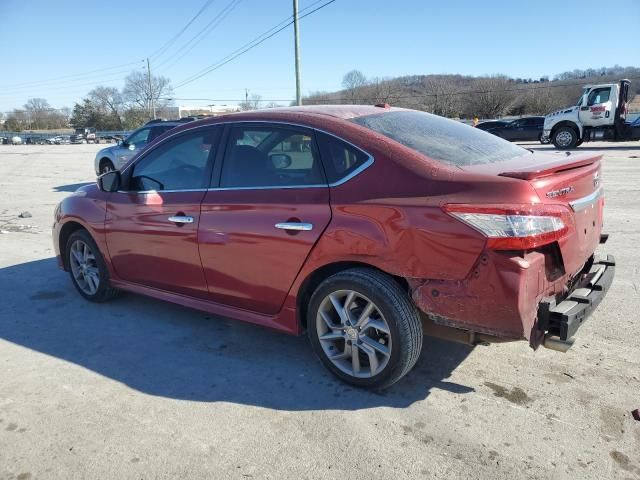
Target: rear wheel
pixel 87 268
pixel 565 138
pixel 543 140
pixel 364 328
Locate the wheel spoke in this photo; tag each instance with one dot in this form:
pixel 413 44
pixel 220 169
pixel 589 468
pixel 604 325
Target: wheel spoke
pixel 366 312
pixel 377 324
pixel 335 301
pixel 355 359
pixel 327 320
pixel 331 335
pixel 375 345
pixel 373 358
pixel 76 256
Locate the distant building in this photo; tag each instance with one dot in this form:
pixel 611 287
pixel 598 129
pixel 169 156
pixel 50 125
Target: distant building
pixel 191 111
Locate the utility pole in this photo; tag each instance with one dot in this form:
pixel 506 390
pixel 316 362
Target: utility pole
pixel 246 98
pixel 153 103
pixel 296 34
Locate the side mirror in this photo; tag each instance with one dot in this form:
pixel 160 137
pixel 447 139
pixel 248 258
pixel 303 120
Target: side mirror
pixel 280 160
pixel 110 181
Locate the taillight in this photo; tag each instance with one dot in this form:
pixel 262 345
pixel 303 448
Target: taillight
pixel 515 227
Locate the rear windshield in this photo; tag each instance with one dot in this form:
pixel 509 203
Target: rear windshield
pixel 440 138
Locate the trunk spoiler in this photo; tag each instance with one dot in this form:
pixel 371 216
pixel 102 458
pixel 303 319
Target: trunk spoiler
pixel 550 168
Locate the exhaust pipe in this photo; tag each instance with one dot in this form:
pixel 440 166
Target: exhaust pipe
pixel 554 343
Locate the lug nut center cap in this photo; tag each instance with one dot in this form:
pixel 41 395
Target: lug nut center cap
pixel 352 333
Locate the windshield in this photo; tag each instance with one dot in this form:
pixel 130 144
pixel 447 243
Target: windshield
pixel 584 91
pixel 440 138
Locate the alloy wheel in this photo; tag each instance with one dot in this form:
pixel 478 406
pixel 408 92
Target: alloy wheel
pixel 353 333
pixel 84 267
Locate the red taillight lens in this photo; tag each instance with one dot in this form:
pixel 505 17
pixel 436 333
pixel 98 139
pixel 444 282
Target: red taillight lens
pixel 515 227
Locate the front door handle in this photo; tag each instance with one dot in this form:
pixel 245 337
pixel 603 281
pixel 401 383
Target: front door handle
pixel 298 226
pixel 181 219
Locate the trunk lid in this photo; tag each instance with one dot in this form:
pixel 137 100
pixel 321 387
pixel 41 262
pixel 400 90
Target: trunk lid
pixel 572 180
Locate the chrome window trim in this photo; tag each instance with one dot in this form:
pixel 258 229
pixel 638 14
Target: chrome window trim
pixel 586 201
pixel 139 192
pixel 370 161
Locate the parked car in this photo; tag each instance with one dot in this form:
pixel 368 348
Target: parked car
pixel 520 130
pixel 16 140
pixel 116 156
pixel 63 140
pixel 489 124
pixel 392 220
pixel 35 140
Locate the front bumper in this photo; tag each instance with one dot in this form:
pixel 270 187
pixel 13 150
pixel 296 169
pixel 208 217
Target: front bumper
pixel 563 319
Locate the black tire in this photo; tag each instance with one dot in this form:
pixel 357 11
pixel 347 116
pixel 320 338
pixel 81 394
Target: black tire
pixel 105 291
pixel 563 133
pixel 106 166
pixel 543 142
pixel 398 310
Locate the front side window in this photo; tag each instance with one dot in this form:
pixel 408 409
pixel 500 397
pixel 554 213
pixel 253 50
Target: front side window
pixel 269 157
pixel 441 139
pixel 339 158
pixel 599 95
pixel 178 164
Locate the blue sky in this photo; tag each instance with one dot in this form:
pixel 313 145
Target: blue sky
pixel 42 40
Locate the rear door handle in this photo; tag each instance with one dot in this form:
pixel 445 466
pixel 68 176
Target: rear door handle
pixel 300 226
pixel 181 219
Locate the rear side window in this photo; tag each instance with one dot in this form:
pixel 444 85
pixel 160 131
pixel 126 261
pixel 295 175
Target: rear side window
pixel 339 158
pixel 442 139
pixel 269 156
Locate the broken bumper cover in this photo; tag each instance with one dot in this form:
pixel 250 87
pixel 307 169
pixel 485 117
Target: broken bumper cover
pixel 563 319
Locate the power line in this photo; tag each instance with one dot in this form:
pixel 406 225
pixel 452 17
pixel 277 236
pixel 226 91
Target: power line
pixel 198 37
pixel 66 78
pixel 175 38
pixel 248 46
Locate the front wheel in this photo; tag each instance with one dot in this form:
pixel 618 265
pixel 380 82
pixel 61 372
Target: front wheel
pixel 87 268
pixel 106 166
pixel 364 328
pixel 565 138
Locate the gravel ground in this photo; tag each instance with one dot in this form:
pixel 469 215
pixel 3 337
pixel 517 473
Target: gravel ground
pixel 142 389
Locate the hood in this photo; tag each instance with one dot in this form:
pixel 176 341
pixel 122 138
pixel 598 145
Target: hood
pixel 562 111
pixel 110 149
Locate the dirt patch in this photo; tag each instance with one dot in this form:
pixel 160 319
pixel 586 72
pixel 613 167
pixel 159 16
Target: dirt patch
pixel 515 395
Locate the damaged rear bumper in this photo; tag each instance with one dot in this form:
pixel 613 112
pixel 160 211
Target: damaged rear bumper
pixel 518 297
pixel 562 320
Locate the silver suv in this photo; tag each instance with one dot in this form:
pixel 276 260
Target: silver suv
pixel 116 156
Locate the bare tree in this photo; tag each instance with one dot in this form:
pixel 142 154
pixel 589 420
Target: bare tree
pixel 38 111
pixel 442 95
pixel 352 82
pixel 252 103
pixel 489 97
pixel 108 101
pixel 138 91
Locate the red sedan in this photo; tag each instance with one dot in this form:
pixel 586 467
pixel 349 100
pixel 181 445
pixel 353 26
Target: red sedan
pixel 362 226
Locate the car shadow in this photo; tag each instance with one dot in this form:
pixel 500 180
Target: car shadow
pixel 170 351
pixel 72 187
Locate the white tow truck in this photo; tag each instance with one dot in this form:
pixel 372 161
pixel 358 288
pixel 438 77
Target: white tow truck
pixel 600 114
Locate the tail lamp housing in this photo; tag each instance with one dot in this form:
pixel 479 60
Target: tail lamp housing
pixel 515 227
